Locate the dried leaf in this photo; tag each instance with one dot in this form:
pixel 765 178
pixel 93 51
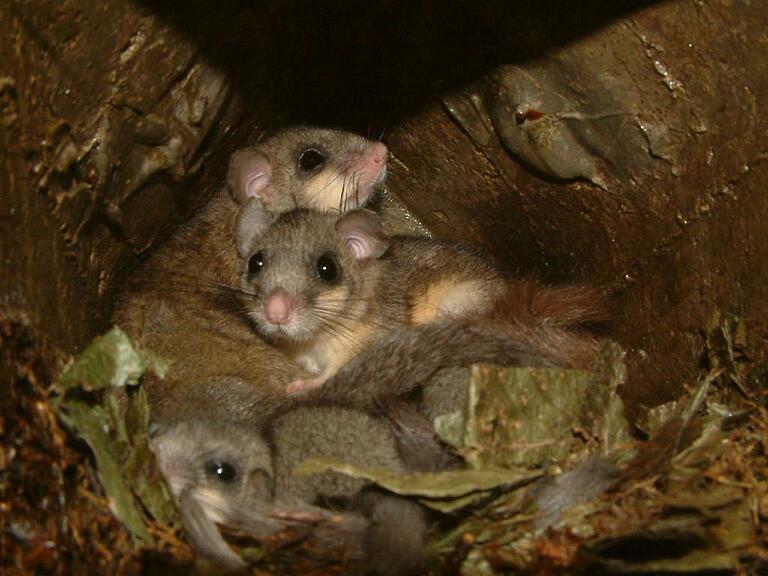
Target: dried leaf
pixel 438 485
pixel 713 498
pixel 527 417
pixel 708 533
pixel 450 428
pixel 726 345
pixel 454 504
pixel 694 563
pixel 606 407
pixel 687 503
pixel 654 418
pixel 522 417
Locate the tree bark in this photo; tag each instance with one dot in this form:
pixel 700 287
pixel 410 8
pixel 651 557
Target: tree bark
pixel 649 177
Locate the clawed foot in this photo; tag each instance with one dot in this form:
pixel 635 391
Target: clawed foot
pixel 300 385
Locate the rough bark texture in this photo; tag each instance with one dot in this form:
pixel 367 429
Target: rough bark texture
pixel 110 110
pixel 103 118
pixel 666 104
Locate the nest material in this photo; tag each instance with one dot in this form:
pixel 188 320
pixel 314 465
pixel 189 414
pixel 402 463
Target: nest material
pixel 690 498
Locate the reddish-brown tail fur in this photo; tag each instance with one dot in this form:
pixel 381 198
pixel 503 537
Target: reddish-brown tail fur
pixel 530 302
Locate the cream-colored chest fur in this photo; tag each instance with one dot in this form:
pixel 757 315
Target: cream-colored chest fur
pixel 326 353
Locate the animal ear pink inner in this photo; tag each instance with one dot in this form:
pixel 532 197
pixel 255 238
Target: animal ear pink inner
pixel 363 233
pixel 360 246
pixel 257 186
pixel 250 175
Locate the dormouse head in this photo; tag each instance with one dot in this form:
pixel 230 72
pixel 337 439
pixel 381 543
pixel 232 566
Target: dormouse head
pixel 225 467
pixel 316 168
pixel 308 272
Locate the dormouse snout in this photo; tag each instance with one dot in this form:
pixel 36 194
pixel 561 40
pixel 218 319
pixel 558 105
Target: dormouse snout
pixel 378 153
pixel 372 164
pixel 279 307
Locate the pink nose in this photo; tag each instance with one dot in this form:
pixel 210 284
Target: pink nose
pixel 378 153
pixel 279 306
pixel 371 166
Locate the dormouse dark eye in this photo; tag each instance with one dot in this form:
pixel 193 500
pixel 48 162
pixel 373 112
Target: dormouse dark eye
pixel 255 263
pixel 311 159
pixel 328 269
pixel 221 470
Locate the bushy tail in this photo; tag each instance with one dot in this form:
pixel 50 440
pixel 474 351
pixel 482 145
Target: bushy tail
pixel 397 363
pixel 568 306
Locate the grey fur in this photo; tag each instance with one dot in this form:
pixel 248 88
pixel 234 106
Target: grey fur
pixel 333 432
pixel 288 183
pixel 586 481
pixel 377 527
pixel 406 286
pixel 401 360
pixel 364 294
pixel 181 302
pixel 396 538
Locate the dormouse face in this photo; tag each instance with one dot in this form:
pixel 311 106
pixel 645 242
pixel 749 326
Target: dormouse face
pixel 225 467
pixel 316 168
pixel 304 275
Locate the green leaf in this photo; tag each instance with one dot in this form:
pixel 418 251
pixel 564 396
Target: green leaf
pixel 115 430
pixel 139 464
pixel 94 424
pixel 109 361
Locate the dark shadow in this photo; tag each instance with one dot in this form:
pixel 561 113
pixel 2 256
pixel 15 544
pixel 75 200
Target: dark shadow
pixel 368 65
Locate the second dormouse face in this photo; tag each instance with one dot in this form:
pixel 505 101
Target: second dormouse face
pixel 308 272
pixel 226 468
pixel 316 168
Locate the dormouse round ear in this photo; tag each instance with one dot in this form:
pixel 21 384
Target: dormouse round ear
pixel 249 176
pixel 363 232
pixel 253 219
